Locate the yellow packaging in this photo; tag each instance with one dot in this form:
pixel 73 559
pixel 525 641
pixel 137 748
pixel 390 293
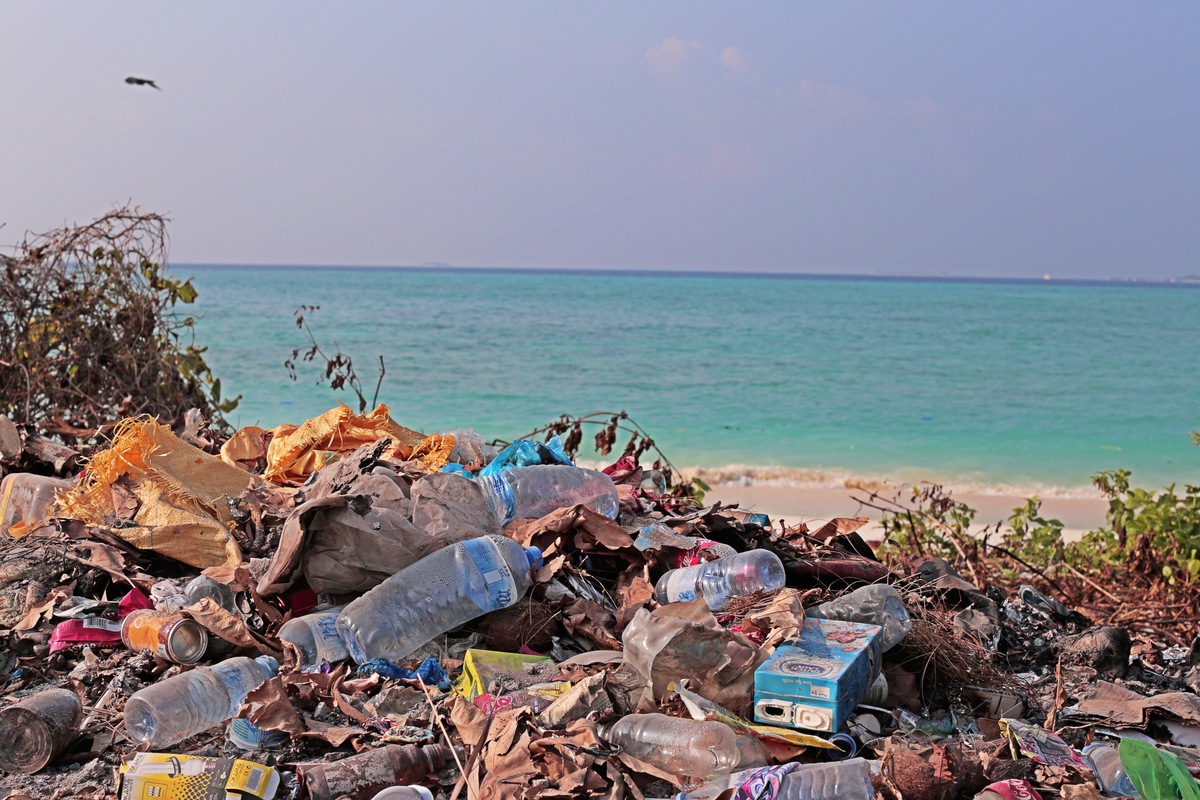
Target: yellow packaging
pixel 163 776
pixel 481 667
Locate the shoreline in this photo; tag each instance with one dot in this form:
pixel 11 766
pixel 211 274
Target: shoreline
pixel 1080 511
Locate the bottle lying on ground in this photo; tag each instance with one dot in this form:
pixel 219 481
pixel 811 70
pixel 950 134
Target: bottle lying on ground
pixel 316 637
pixel 686 746
pixel 360 777
pixel 170 711
pixel 717 581
pixel 441 591
pixel 203 586
pixel 535 491
pixel 838 780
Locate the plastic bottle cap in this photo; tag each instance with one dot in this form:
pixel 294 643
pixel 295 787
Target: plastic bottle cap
pixel 394 792
pixel 535 557
pixel 269 662
pixel 847 747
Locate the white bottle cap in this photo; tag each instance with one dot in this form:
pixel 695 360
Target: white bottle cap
pixel 403 793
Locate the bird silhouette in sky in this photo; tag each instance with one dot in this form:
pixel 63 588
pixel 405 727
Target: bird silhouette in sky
pixel 141 82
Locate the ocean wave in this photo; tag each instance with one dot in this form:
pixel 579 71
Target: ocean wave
pixel 809 478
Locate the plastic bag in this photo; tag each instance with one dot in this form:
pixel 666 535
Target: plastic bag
pixel 1156 774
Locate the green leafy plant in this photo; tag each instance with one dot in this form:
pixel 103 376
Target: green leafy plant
pixel 1170 521
pixel 90 330
pixel 930 522
pixel 1033 537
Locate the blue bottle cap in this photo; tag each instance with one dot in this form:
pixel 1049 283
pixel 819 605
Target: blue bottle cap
pixel 847 747
pixel 535 557
pixel 247 736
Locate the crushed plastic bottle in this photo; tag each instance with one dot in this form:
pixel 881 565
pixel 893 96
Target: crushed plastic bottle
pixel 438 593
pixel 877 604
pixel 203 586
pixel 165 713
pixel 717 581
pixel 686 746
pixel 1110 773
pixel 27 502
pixel 535 491
pixel 316 637
pixel 831 780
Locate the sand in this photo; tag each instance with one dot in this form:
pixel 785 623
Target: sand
pixel 818 504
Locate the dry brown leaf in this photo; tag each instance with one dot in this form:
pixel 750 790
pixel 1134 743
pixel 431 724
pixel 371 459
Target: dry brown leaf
pixel 838 527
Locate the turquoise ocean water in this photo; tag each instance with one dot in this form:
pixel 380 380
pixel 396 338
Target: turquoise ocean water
pixel 1030 385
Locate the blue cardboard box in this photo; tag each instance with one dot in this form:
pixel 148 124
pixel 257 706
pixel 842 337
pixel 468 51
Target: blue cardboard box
pixel 814 681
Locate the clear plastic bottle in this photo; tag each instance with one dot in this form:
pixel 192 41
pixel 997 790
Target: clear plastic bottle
pixel 877 604
pixel 833 780
pixel 1109 771
pixel 316 637
pixel 704 550
pixel 27 502
pixel 170 711
pixel 686 746
pixel 535 491
pixel 203 586
pixel 438 593
pixel 717 581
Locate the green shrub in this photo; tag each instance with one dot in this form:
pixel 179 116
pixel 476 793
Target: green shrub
pixel 89 331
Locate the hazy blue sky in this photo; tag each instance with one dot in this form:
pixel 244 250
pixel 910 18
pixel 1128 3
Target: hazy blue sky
pixel 946 139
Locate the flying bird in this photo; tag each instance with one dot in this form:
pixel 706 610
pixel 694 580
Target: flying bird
pixel 141 82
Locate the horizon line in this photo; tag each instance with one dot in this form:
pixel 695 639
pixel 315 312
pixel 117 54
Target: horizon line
pixel 1185 282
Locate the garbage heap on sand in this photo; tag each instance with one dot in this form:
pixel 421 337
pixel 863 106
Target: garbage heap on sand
pixel 349 608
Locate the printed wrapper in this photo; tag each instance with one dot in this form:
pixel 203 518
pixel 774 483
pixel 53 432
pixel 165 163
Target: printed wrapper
pixel 88 630
pixel 1012 790
pixel 703 709
pixel 163 776
pixel 536 697
pixel 1043 746
pixel 481 667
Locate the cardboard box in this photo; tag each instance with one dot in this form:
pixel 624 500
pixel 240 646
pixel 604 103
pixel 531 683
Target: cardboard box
pixel 814 682
pixel 163 776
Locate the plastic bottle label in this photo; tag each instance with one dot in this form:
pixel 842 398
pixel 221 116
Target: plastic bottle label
pixel 681 586
pixel 326 630
pixel 501 585
pixel 690 558
pixel 238 682
pixel 504 492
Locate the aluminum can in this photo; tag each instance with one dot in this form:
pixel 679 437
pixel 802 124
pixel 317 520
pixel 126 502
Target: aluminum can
pixel 35 730
pixel 171 636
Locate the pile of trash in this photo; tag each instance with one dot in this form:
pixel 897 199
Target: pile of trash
pixel 351 609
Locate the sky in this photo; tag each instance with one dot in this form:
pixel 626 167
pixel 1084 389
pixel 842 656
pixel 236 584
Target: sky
pixel 991 139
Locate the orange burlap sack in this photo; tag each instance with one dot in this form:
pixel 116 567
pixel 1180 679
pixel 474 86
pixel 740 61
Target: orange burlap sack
pixel 157 492
pixel 295 452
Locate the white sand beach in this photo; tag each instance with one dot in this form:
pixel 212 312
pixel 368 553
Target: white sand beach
pixel 793 504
